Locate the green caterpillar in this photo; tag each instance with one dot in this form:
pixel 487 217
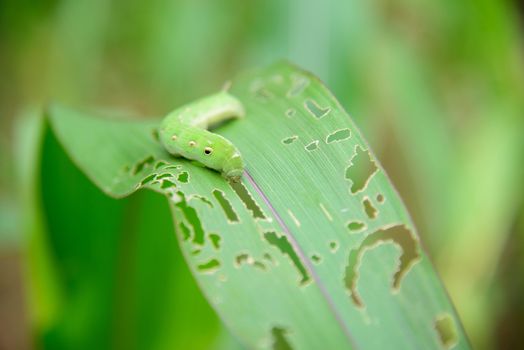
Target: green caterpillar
pixel 183 132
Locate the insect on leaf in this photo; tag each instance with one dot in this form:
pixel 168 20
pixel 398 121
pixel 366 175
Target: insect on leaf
pixel 309 251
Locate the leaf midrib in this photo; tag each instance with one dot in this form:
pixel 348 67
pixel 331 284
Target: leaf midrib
pixel 307 262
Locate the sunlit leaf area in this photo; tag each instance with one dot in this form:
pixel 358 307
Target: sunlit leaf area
pixel 381 206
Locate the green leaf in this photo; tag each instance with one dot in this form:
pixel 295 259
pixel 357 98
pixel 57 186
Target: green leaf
pixel 102 273
pixel 314 249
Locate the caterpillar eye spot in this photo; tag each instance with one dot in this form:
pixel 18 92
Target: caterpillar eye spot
pixel 174 137
pixel 208 150
pixel 192 143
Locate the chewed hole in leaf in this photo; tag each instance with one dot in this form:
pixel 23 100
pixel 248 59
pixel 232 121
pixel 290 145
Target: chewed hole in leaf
pixel 333 246
pixel 184 231
pixel 247 199
pixel 312 146
pixel 369 209
pixel 361 169
pixel 241 259
pixel 160 164
pixel 268 257
pixel 279 339
pixel 147 179
pixel 316 258
pixel 289 140
pixel 246 259
pixel 183 177
pixel 262 94
pixel 446 330
pixel 196 251
pixel 315 110
pixel 259 265
pixel 203 199
pixel 298 85
pixel 209 266
pixel 215 240
pixel 167 184
pixel 141 165
pixel 290 112
pixel 339 135
pixel 164 176
pixel 399 235
pixel 380 198
pixel 192 218
pixel 226 206
pixel 356 226
pixel 282 244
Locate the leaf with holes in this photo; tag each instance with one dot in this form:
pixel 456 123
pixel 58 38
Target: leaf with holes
pixel 313 249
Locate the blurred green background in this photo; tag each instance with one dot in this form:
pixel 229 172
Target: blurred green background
pixel 437 88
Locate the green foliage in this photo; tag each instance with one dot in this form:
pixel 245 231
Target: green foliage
pixel 304 253
pixel 106 273
pixel 436 86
